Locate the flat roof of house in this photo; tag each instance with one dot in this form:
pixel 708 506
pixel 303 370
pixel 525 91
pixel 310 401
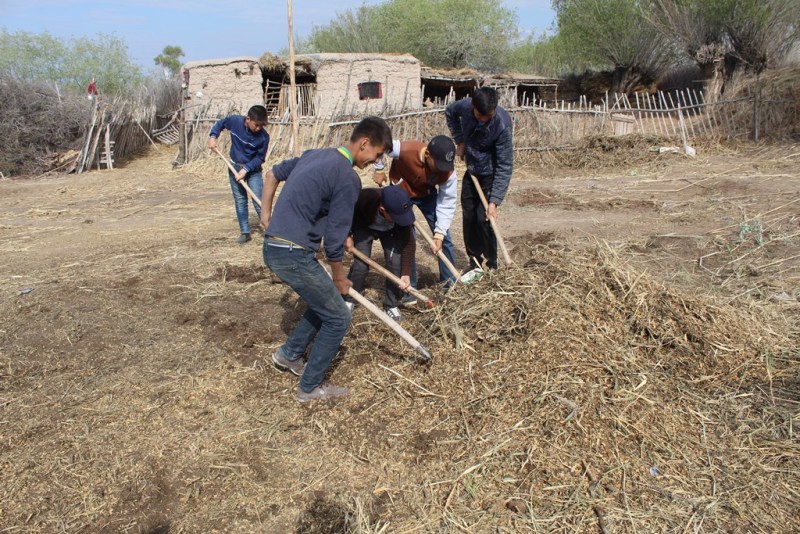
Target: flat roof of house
pixel 218 62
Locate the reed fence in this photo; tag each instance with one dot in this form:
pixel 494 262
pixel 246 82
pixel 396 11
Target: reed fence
pixel 117 129
pixel 540 126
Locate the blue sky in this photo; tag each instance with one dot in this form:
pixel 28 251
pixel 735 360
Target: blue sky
pixel 204 29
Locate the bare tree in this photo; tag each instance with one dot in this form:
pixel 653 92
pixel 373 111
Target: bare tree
pixel 697 28
pixel 762 32
pixel 615 33
pixel 723 36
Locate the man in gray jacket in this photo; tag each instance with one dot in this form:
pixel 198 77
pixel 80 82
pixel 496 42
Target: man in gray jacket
pixel 483 134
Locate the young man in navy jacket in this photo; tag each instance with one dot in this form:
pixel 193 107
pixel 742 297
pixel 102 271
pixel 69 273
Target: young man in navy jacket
pixel 483 134
pixel 317 202
pixel 249 142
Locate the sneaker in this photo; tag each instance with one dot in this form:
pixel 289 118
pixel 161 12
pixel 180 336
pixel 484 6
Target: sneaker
pixel 244 238
pixel 394 313
pixel 408 300
pixel 282 364
pixel 322 392
pixel 472 276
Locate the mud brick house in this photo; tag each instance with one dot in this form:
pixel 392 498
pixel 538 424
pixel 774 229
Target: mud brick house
pixel 326 84
pixel 223 85
pixel 343 84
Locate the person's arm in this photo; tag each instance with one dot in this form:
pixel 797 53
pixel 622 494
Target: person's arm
pixel 379 176
pixel 279 173
pixel 340 219
pixel 339 275
pixel 214 133
pixel 409 250
pixel 452 114
pixel 504 151
pixel 260 155
pixel 337 230
pixel 267 198
pixel 446 203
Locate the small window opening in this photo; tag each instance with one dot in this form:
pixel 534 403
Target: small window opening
pixel 370 90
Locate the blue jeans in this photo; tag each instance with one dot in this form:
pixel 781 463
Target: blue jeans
pixel 256 182
pixel 326 319
pixel 427 205
pixel 392 254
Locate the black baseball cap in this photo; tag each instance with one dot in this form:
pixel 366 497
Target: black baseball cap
pixel 397 202
pixel 443 151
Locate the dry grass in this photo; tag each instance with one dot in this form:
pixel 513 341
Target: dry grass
pixel 574 392
pixel 568 392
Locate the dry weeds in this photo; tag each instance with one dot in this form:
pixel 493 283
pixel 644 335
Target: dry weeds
pixel 574 392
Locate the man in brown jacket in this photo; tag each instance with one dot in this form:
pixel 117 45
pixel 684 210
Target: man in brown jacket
pixel 426 173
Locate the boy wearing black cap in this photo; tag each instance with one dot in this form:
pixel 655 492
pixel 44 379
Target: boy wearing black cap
pixel 426 173
pixel 384 214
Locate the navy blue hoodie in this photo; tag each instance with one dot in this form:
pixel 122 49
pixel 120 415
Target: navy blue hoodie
pixel 317 200
pixel 248 149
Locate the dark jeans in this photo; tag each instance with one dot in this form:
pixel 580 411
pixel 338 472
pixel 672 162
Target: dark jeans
pixel 326 318
pixel 363 239
pixel 479 238
pixel 256 183
pixel 427 205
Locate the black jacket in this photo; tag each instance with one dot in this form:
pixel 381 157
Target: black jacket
pixel 489 147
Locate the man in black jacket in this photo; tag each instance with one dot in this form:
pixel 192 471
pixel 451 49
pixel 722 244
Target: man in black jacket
pixel 483 134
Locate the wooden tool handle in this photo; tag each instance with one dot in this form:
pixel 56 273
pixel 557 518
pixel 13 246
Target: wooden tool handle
pixel 243 183
pixel 390 275
pixel 391 323
pixel 500 241
pixel 424 231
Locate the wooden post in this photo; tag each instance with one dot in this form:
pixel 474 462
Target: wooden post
pixel 107 143
pixel 635 114
pixel 669 114
pixel 678 96
pixel 706 113
pixel 292 88
pixel 183 157
pixel 756 110
pixel 639 107
pixel 687 101
pixel 83 158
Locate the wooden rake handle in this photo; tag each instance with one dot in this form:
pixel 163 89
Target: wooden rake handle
pixel 243 183
pixel 390 275
pixel 450 267
pixel 391 323
pixel 500 241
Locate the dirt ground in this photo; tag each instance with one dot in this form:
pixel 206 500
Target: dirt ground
pixel 136 394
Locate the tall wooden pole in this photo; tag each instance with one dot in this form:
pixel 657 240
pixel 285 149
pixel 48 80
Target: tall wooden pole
pixel 292 89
